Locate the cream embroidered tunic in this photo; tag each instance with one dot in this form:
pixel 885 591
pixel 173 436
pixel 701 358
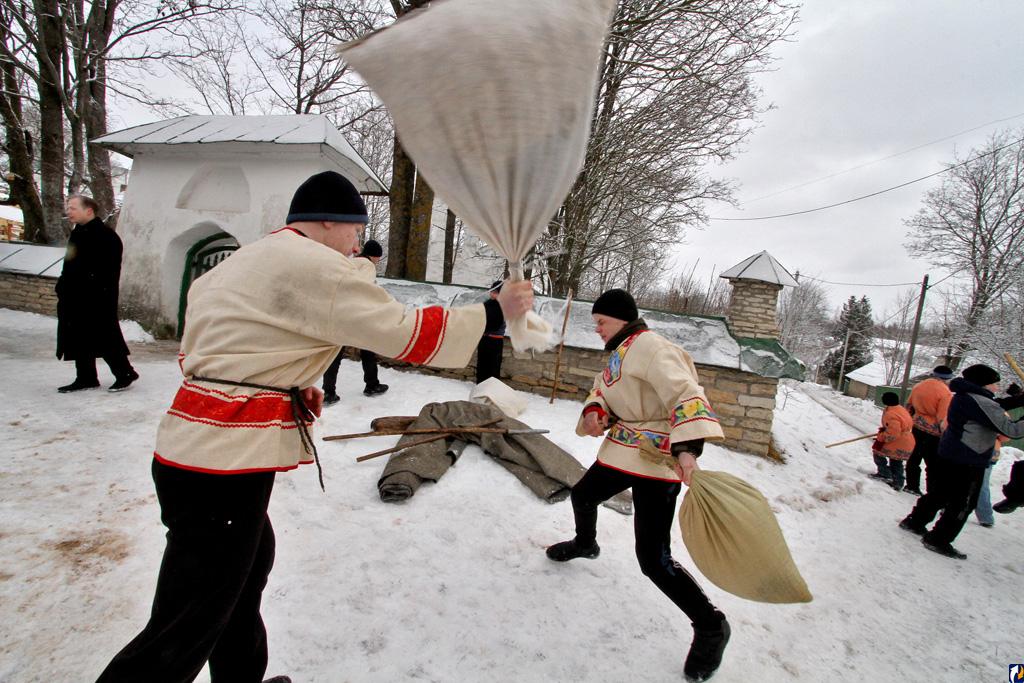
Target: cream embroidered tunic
pixel 651 392
pixel 276 313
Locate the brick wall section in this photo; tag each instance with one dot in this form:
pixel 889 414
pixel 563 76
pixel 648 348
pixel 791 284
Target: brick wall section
pixel 743 401
pixel 752 309
pixel 32 293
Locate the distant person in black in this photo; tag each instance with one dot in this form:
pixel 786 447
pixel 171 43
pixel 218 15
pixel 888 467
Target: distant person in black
pixel 87 291
pixel 373 252
pixel 488 351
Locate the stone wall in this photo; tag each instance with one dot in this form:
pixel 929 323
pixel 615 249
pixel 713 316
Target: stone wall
pixel 752 309
pixel 32 293
pixel 743 401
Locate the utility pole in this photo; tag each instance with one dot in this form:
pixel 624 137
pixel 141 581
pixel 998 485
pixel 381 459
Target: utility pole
pixel 913 340
pixel 842 366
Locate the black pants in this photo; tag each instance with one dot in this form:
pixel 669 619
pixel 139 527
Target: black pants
pixel 220 548
pixel 85 368
pixel 369 361
pixel 925 447
pixel 953 490
pixel 654 503
pixel 488 357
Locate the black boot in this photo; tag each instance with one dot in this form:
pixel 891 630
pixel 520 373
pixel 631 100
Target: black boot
pixel 570 550
pixel 278 679
pixel 946 549
pixel 1005 507
pixel 375 389
pixel 907 524
pixel 706 651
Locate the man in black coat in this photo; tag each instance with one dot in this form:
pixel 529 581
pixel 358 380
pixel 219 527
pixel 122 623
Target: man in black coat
pixel 87 290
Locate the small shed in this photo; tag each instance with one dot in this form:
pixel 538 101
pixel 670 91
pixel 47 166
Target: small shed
pixel 201 186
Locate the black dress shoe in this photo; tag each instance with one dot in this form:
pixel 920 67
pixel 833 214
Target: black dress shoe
pixel 78 385
pixel 123 382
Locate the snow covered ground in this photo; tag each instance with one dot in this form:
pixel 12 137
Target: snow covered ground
pixel 453 585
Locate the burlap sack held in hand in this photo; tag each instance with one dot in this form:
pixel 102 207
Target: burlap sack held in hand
pixel 735 541
pixel 493 100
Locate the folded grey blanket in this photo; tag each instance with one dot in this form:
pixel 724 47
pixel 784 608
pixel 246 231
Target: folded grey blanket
pixel 547 470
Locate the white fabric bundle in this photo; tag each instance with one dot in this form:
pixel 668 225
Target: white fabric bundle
pixel 492 391
pixel 493 99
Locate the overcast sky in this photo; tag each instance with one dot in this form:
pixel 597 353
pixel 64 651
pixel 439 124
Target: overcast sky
pixel 861 82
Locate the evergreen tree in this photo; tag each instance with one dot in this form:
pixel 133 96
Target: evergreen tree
pixel 855 318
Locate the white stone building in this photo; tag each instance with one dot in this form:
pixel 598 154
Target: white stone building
pixel 201 186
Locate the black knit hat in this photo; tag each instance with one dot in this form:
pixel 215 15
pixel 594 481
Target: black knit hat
pixel 616 303
pixel 942 372
pixel 327 196
pixel 372 248
pixel 982 375
pixel 890 398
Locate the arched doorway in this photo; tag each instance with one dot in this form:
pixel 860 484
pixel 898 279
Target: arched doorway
pixel 202 257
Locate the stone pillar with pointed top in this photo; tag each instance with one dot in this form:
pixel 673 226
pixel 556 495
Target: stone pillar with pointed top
pixel 753 305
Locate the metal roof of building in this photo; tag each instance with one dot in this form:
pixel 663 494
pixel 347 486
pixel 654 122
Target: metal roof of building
pixel 240 132
pixel 762 267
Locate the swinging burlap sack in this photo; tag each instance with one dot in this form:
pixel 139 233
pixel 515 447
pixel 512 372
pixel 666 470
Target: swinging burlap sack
pixel 735 541
pixel 493 100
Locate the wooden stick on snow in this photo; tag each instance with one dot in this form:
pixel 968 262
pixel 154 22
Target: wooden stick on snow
pixel 856 438
pixel 483 428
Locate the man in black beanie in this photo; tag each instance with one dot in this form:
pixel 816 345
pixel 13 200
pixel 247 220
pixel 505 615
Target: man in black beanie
pixel 260 330
pixel 648 395
pixel 973 422
pixel 372 252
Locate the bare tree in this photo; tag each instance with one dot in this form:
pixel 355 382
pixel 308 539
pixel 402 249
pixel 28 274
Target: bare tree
pixel 675 92
pixel 893 335
pixel 804 323
pixel 19 132
pixel 974 224
pixel 67 49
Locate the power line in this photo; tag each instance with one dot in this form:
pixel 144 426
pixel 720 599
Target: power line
pixel 858 284
pixel 873 194
pixel 876 161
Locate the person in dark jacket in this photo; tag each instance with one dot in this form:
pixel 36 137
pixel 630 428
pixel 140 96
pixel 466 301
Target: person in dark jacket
pixel 87 291
pixel 973 422
pixel 373 252
pixel 489 350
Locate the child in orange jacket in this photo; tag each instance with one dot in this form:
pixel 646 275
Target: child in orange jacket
pixel 894 443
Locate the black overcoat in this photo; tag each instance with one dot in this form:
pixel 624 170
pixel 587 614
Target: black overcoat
pixel 87 290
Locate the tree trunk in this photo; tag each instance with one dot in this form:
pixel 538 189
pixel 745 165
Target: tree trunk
pixel 93 82
pixel 400 204
pixel 418 247
pixel 51 120
pixel 16 144
pixel 449 248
